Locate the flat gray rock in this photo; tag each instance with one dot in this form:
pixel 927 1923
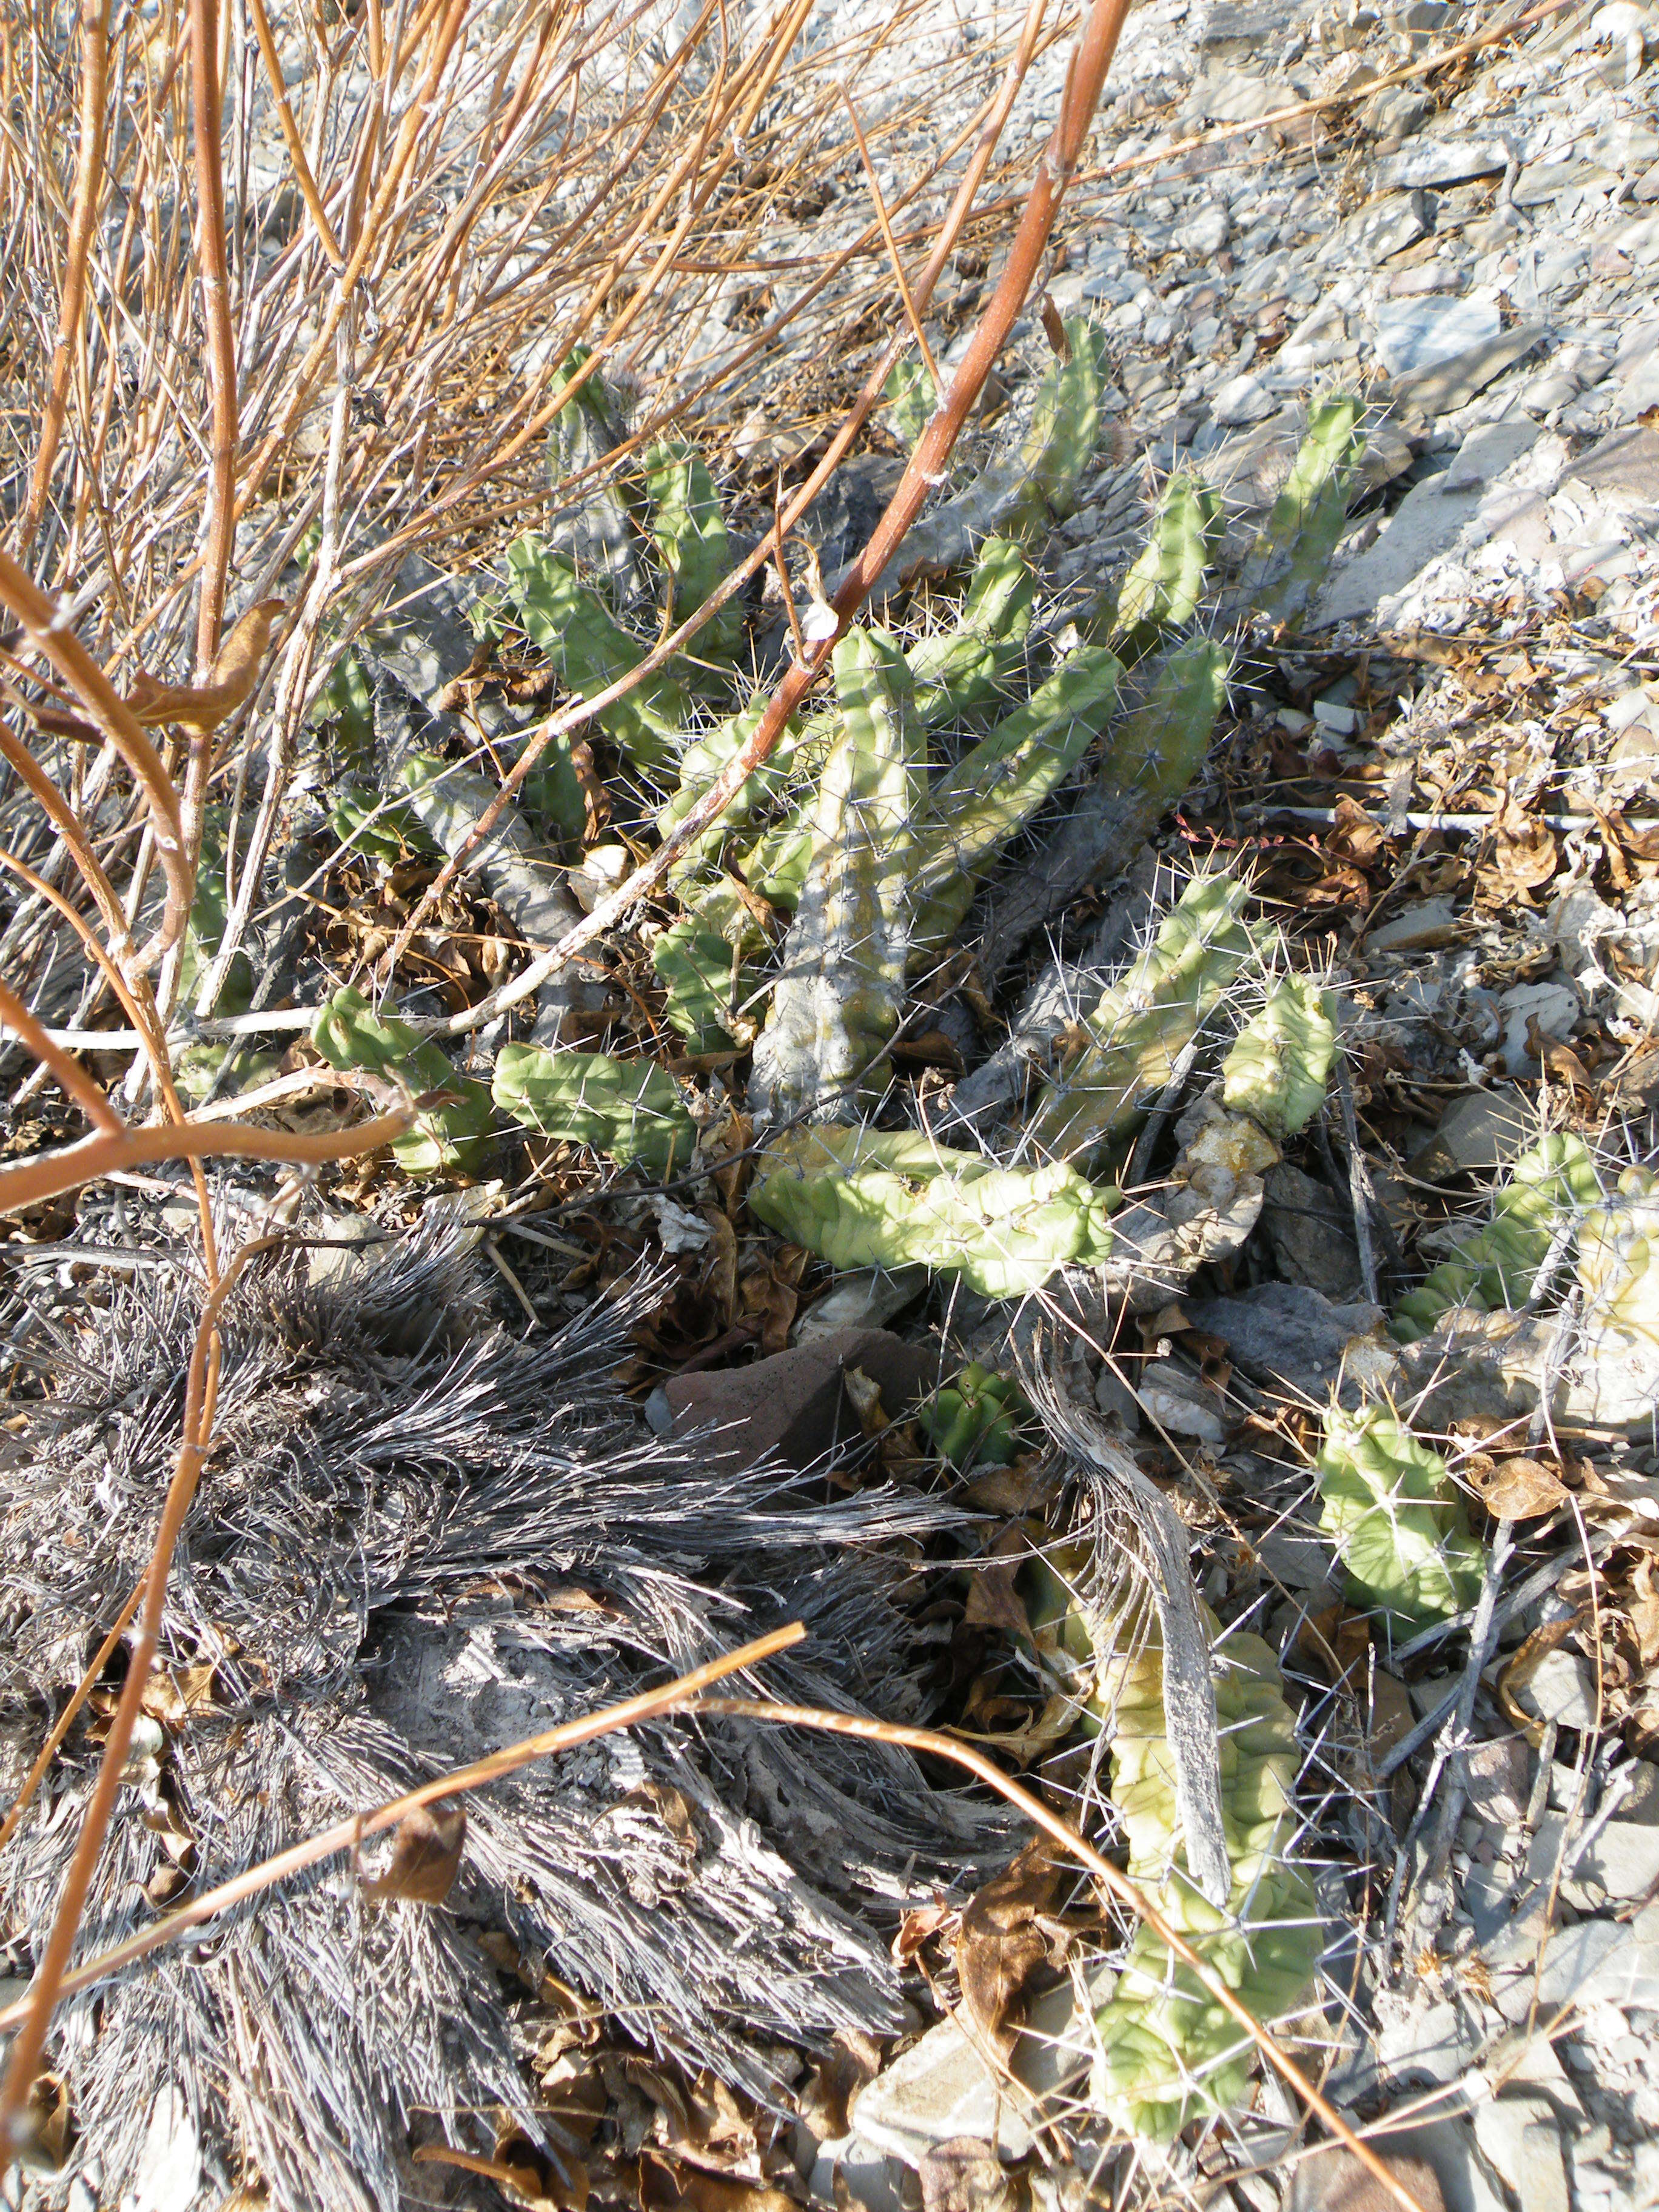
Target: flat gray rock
pixel 1429 522
pixel 1288 1334
pixel 1421 333
pixel 1479 1135
pixel 1444 162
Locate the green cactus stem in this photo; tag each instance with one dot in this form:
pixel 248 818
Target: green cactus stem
pixel 911 397
pixel 1164 586
pixel 1289 559
pixel 1065 417
pixel 454 1129
pixel 631 1109
pixel 1277 1070
pixel 696 968
pixel 969 664
pixel 1619 1258
pixel 691 537
pixel 868 1197
pixel 1397 1519
pixel 1496 1267
pixel 995 788
pixel 840 988
pixel 1144 1020
pixel 1168 2052
pixel 974 1421
pixel 590 650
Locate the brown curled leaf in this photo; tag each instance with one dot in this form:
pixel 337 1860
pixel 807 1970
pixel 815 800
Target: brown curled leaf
pixel 426 1854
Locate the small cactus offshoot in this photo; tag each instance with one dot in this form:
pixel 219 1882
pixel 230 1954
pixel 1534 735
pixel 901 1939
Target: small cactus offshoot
pixel 974 1421
pixel 1277 1070
pixel 1398 1519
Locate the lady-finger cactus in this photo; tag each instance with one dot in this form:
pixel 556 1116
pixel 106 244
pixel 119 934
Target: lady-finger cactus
pixel 1168 2051
pixel 1065 427
pixel 878 1198
pixel 691 537
pixel 1288 562
pixel 1150 756
pixel 963 667
pixel 1398 1519
pixel 1162 587
pixel 838 997
pixel 975 1420
pixel 629 1109
pixel 1277 1070
pixel 590 649
pixel 1144 1020
pixel 455 1126
pixel 999 784
pixel 1496 1267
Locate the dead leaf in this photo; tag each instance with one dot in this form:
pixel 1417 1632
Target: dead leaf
pixel 1524 855
pixel 520 2170
pixel 1354 837
pixel 993 1600
pixel 202 707
pixel 171 1693
pixel 1389 1716
pixel 964 2175
pixel 853 2061
pixel 920 1924
pixel 999 1944
pixel 43 2127
pixel 671 2188
pixel 722 1276
pixel 1557 1059
pixel 1517 1489
pixel 1524 1665
pixel 426 1854
pixel 1334 1640
pixel 866 1397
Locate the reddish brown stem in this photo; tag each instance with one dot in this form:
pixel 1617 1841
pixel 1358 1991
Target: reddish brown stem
pixel 47 625
pixel 47 1174
pixel 88 194
pixel 214 271
pixel 76 1085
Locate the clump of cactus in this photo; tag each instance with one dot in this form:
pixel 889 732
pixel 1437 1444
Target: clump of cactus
pixel 1496 1267
pixel 975 1420
pixel 880 1198
pixel 1278 1069
pixel 631 1109
pixel 1144 1020
pixel 455 1126
pixel 1399 1522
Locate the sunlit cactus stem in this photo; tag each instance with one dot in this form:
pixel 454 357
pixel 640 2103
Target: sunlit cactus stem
pixel 629 1109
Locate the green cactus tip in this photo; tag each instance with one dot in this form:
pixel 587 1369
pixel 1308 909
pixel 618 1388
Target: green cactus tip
pixel 1277 1070
pixel 1398 1519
